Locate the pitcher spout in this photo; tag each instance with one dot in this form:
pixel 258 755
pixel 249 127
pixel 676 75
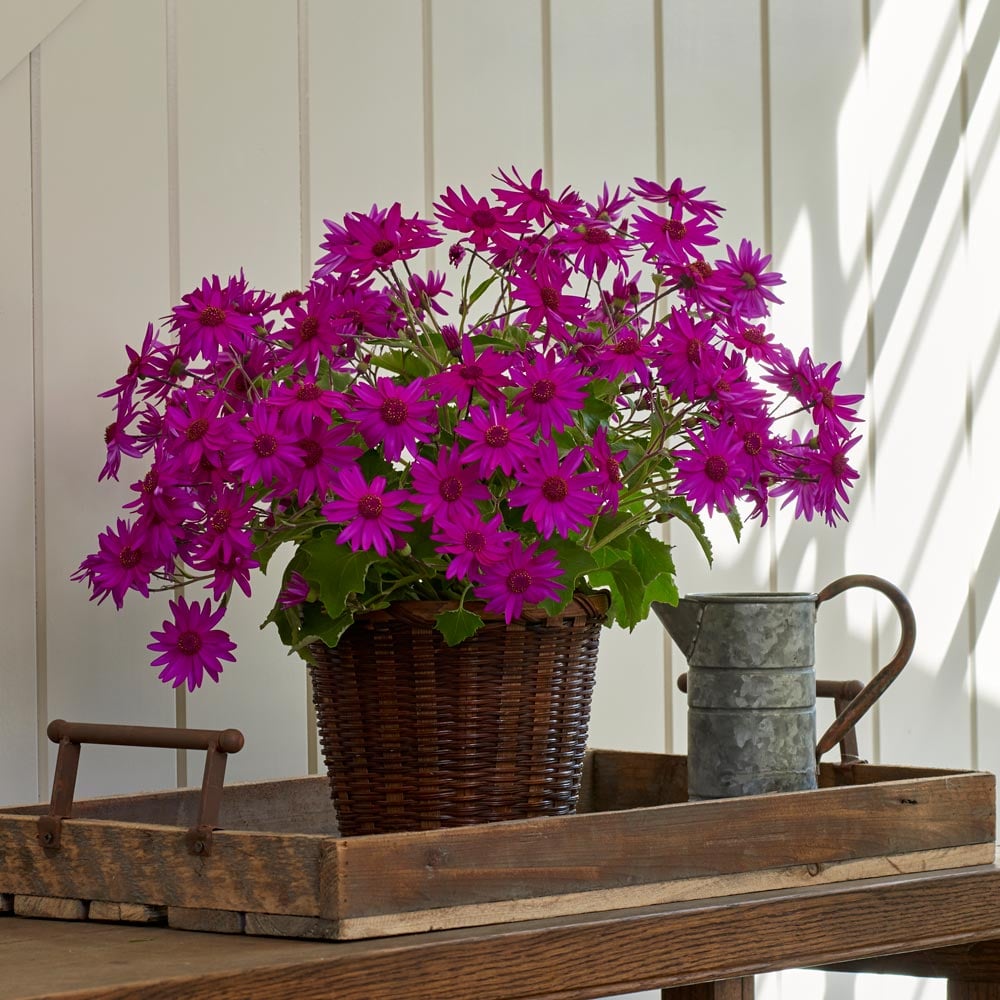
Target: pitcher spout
pixel 682 621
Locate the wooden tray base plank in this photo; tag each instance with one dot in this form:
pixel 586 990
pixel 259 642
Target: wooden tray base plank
pixel 126 913
pixel 186 918
pixel 50 907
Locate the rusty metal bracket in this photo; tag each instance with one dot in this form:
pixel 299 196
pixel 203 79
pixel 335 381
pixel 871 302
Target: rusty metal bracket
pixel 71 735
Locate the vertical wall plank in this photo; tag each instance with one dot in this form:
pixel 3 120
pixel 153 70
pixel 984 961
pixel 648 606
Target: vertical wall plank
pixel 724 150
pixel 370 150
pixel 820 203
pixel 604 129
pixel 982 39
pixel 18 722
pixel 104 274
pixel 238 178
pixel 918 267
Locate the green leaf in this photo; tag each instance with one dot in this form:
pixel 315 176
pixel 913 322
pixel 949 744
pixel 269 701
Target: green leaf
pixel 576 563
pixel 457 625
pixel 335 571
pixel 627 591
pixel 480 289
pixel 677 507
pixel 651 558
pixel 319 626
pixel 401 363
pixel 735 521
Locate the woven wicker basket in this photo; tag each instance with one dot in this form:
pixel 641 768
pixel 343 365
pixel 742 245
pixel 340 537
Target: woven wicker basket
pixel 417 734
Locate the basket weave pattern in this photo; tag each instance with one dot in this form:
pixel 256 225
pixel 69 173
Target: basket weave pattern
pixel 418 735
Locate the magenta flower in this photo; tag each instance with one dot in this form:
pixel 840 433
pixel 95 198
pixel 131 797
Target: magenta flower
pixel 226 533
pixel 208 322
pixel 712 473
pixel 376 240
pixel 608 466
pixel 671 240
pixel 123 562
pixel 323 453
pixel 522 576
pixel 375 518
pixel 445 488
pixel 261 449
pixel 554 389
pixel 487 225
pixel 832 412
pixel 747 281
pixel 190 646
pixel 145 367
pixel 471 543
pixel 533 203
pixel 393 415
pixel 687 356
pixel 197 431
pixel 295 591
pixel 301 403
pixel 484 373
pixel 553 494
pixel 627 353
pixel 544 293
pixel 593 244
pixel 680 200
pixel 500 440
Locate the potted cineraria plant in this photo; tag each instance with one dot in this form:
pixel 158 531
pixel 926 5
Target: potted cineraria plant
pixel 495 442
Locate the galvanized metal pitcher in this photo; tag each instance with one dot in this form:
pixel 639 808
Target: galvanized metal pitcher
pixel 751 686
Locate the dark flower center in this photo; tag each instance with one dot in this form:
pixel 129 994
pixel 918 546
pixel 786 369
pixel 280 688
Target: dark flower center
pixel 109 432
pixel 450 488
pixel 219 521
pixel 483 218
pixel 265 445
pixel 752 443
pixel 827 399
pixel 189 643
pixel 749 280
pixel 838 464
pixel 470 373
pixel 549 297
pixel 370 505
pixel 308 393
pixel 596 235
pixel 702 269
pixel 150 481
pixel 754 334
pixel 197 429
pixel 129 557
pixel 309 328
pixel 555 489
pixel 497 436
pixel 626 345
pixel 212 316
pixel 355 317
pixel 674 229
pixel 543 390
pixel 312 451
pixel 693 352
pixel 716 468
pixel 613 470
pixel 382 247
pixel 393 412
pixel 474 541
pixel 518 581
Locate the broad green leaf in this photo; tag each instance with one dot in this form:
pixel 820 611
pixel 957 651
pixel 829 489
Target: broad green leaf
pixel 735 521
pixel 335 571
pixel 651 558
pixel 457 625
pixel 401 363
pixel 627 590
pixel 481 288
pixel 677 507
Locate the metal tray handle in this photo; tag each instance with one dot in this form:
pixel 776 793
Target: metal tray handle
pixel 71 735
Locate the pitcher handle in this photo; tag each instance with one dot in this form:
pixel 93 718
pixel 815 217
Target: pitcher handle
pixel 873 690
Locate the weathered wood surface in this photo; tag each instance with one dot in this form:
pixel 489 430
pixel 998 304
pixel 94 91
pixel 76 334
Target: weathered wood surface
pixel 608 850
pixel 184 918
pixel 128 862
pixel 632 851
pixel 126 913
pixel 574 958
pixel 51 908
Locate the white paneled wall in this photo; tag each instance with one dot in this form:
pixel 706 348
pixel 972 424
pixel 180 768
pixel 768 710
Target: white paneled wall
pixel 148 142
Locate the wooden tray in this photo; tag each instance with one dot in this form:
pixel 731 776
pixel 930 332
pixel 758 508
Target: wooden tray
pixel 278 868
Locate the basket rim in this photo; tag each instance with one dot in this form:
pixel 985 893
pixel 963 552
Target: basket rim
pixel 591 606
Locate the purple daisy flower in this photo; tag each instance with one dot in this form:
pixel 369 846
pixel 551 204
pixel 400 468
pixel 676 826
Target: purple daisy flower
pixel 521 576
pixel 543 291
pixel 686 357
pixel 593 244
pixel 830 411
pixel 207 322
pixel 487 225
pixel 190 646
pixel 295 591
pixel 196 430
pixel 678 199
pixel 395 416
pixel 533 203
pixel 123 562
pixel 323 453
pixel 608 465
pixel 553 494
pixel 485 373
pixel 302 402
pixel 445 488
pixel 671 241
pixel 471 542
pixel 374 517
pixel 261 449
pixel 748 282
pixel 713 472
pixel 553 388
pixel 499 439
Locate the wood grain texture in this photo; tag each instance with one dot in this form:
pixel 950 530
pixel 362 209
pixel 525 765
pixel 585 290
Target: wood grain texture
pixel 518 860
pixel 126 913
pixel 282 925
pixel 50 907
pixel 958 990
pixel 569 958
pixel 264 872
pixel 185 918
